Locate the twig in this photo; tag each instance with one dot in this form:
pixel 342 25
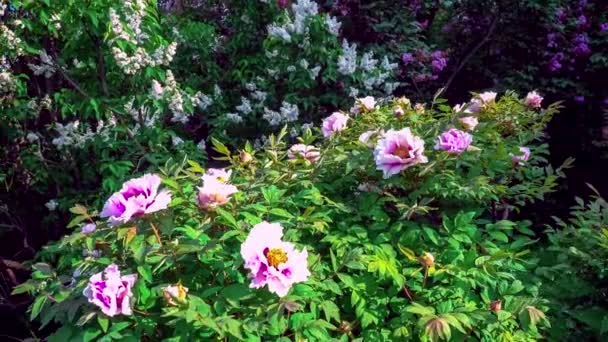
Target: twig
pixel 101 68
pixel 471 53
pixel 71 81
pixel 156 233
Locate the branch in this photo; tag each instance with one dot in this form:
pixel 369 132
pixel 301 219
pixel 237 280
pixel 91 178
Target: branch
pixel 101 69
pixel 471 53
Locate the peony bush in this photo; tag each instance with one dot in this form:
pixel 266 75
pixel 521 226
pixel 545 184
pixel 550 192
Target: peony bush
pixel 388 223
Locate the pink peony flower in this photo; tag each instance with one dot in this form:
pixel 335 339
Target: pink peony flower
pixel 137 197
pixel 533 100
pixel 215 190
pixel 398 150
pixel 487 97
pixel 523 157
pixel 469 122
pixel 271 261
pixel 334 123
pixel 454 141
pixel 307 152
pixel 367 103
pixel 111 292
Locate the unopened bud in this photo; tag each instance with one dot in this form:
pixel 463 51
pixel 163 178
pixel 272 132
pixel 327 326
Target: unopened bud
pixel 399 112
pixel 245 157
pixel 175 294
pixel 496 305
pixel 427 260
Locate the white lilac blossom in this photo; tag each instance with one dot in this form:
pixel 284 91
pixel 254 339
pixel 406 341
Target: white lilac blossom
pixel 368 63
pixel 259 95
pixel 302 10
pixel 306 126
pixel 202 101
pixel 51 205
pixel 273 118
pixel 388 66
pixel 279 32
pixel 234 118
pixel 289 112
pixel 46 66
pixel 251 86
pixel 333 25
pixel 271 54
pixel 157 90
pixel 245 106
pixel 7 82
pixel 32 137
pixel 176 141
pixel 74 134
pixel 10 39
pixel 304 63
pixel 314 72
pixel 291 68
pixel 347 61
pixel 353 92
pixel 201 145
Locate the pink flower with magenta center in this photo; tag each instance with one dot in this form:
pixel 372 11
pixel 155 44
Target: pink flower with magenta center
pixel 334 123
pixel 301 151
pixel 215 190
pixel 398 150
pixel 110 291
pixel 137 197
pixel 454 141
pixel 469 122
pixel 533 100
pixel 272 262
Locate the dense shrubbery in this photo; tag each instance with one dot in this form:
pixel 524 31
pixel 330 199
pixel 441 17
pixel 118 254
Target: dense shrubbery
pixel 388 220
pixel 400 239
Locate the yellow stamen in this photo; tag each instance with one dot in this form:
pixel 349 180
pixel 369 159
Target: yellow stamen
pixel 276 256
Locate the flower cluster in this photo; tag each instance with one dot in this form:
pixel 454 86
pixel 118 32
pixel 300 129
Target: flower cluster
pixel 423 65
pixel 75 134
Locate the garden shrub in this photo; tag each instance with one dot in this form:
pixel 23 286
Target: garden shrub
pixel 573 269
pixel 388 223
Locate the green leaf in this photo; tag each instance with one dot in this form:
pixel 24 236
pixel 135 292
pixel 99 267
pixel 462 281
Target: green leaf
pixel 104 322
pixel 227 218
pixel 37 306
pixel 281 213
pixel 418 309
pixel 331 310
pixel 500 236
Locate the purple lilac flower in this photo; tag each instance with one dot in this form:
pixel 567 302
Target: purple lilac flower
pixel 454 141
pixel 554 63
pixel 407 58
pixel 552 40
pixel 438 65
pixel 579 98
pixel 581 21
pixel 137 197
pixel 604 27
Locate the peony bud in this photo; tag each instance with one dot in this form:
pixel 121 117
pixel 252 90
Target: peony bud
pixel 496 305
pixel 427 260
pixel 245 157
